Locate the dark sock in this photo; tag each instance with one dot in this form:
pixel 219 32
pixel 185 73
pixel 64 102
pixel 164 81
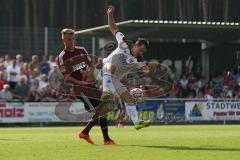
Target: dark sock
pixel 104 127
pixel 88 127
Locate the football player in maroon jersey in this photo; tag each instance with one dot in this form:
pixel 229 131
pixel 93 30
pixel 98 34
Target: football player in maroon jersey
pixel 77 68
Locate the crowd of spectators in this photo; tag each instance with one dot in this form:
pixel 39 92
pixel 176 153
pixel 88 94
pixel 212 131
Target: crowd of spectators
pixel 28 81
pixel 222 85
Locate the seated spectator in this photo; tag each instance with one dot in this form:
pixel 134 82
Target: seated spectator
pixel 33 94
pixel 209 94
pixel 47 94
pixel 2 81
pixel 183 82
pixel 200 95
pixel 21 90
pixel 59 92
pixel 176 88
pixel 43 82
pixel 5 94
pixel 35 76
pixel 191 92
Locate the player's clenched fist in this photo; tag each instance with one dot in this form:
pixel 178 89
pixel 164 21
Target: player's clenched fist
pixel 111 9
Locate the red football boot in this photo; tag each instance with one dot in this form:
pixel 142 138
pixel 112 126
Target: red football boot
pixel 86 138
pixel 109 142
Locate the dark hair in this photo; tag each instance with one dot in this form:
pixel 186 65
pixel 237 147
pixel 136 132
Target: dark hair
pixel 142 41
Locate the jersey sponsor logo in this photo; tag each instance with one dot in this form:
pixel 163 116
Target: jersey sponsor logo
pixel 123 59
pixel 130 61
pixel 79 66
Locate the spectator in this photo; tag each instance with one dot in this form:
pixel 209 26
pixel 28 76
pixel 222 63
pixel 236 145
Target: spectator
pixel 55 77
pixel 24 70
pixel 191 91
pixel 184 82
pixel 19 60
pixel 1 60
pixel 23 75
pixel 200 95
pixel 176 88
pixel 34 64
pixel 209 94
pixel 33 93
pixel 4 72
pixel 5 94
pixel 21 90
pixel 47 94
pixel 35 76
pixel 13 74
pixel 43 82
pixel 59 92
pixel 52 62
pixel 7 60
pixel 45 66
pixel 2 81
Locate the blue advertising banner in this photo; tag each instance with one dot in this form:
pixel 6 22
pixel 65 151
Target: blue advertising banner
pixel 156 111
pixel 174 111
pixel 152 110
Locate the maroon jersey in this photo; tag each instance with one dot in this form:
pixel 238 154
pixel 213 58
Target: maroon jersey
pixel 73 62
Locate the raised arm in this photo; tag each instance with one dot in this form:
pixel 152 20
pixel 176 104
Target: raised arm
pixel 111 22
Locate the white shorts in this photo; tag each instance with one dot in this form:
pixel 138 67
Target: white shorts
pixel 112 84
pixel 118 86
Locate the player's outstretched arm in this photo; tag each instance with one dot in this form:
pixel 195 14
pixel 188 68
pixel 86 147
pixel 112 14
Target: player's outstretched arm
pixel 111 22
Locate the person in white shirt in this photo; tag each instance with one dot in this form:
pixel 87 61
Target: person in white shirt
pixel 7 60
pixel 123 59
pixel 13 74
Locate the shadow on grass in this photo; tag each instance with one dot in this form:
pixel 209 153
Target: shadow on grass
pixel 8 139
pixel 188 148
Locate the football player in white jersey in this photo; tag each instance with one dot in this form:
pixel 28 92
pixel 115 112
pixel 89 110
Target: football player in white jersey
pixel 123 59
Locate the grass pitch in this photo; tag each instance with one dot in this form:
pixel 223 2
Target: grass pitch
pixel 186 142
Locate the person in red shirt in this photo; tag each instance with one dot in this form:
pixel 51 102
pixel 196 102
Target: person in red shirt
pixel 2 81
pixel 77 68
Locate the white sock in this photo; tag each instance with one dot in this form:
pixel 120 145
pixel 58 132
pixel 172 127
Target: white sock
pixel 132 112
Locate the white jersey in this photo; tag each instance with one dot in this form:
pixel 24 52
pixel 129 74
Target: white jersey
pixel 14 73
pixel 122 58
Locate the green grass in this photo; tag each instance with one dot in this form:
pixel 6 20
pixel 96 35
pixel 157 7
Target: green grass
pixel 186 142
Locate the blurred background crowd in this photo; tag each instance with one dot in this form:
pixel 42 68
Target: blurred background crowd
pixel 29 81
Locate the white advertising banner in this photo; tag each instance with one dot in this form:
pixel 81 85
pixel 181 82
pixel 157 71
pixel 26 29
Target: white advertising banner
pixel 12 112
pixel 35 112
pixel 209 110
pixel 41 112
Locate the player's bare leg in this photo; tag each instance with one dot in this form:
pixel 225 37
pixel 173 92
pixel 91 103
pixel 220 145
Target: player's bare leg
pixel 108 95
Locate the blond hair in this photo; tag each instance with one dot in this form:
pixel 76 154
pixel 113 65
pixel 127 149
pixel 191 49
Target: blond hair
pixel 67 31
